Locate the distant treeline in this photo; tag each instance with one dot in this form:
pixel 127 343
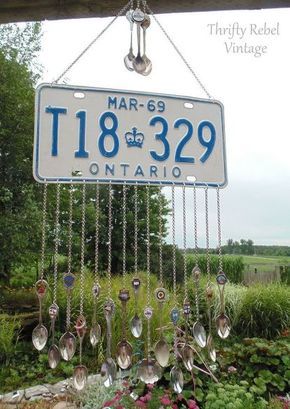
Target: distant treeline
pixel 247 247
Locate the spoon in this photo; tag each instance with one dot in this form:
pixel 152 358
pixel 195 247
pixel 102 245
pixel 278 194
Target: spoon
pixel 198 330
pixel 145 24
pixel 109 368
pixel 161 349
pixel 128 59
pixel 176 379
pixel 149 371
pixel 209 343
pixel 187 352
pixel 136 322
pixel 124 348
pixel 67 342
pixel 40 333
pixel 96 331
pixel 139 64
pixel 80 374
pixel 53 352
pixel 222 322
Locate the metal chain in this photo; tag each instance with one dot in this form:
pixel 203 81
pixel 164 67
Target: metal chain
pixel 83 239
pixel 70 222
pixel 219 229
pixel 184 243
pixel 97 229
pixel 124 209
pixel 173 245
pixel 43 231
pixel 69 256
pixel 109 240
pixel 148 242
pixel 69 67
pixel 56 243
pixel 160 201
pixel 195 225
pixel 207 234
pixel 136 229
pixel 178 52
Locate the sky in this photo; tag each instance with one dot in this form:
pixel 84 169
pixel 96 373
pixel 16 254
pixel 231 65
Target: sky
pixel 242 59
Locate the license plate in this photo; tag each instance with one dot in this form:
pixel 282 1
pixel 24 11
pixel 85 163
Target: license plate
pixel 102 135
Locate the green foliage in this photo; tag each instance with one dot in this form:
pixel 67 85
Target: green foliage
pixel 9 331
pixel 236 396
pixel 232 266
pixel 265 311
pixel 264 364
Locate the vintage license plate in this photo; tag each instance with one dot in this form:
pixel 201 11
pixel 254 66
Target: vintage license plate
pixel 102 135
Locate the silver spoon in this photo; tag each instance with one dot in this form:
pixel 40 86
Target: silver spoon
pixel 136 322
pixel 124 348
pixel 139 64
pixel 198 330
pixel 161 349
pixel 109 368
pixel 128 59
pixel 96 331
pixel 145 24
pixel 40 333
pixel 222 322
pixel 80 374
pixel 53 352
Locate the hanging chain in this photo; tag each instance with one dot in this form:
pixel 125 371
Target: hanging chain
pixel 69 256
pixel 56 242
pixel 110 227
pixel 173 245
pixel 124 210
pixel 43 232
pixel 136 229
pixel 160 201
pixel 69 67
pixel 219 230
pixel 83 239
pixel 207 234
pixel 97 229
pixel 148 242
pixel 148 264
pixel 178 52
pixel 195 226
pixel 184 243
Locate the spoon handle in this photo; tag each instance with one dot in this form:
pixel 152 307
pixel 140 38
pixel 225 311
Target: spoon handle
pixel 109 336
pixel 139 39
pixel 40 310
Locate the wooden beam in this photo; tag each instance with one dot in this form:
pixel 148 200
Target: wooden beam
pixel 32 10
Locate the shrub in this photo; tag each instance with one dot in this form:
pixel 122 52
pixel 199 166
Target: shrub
pixel 265 311
pixel 9 331
pixel 233 267
pixel 264 364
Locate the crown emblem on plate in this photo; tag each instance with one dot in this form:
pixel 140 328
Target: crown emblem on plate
pixel 134 138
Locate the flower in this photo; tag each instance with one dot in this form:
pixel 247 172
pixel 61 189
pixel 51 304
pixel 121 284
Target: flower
pixel 165 400
pixel 192 404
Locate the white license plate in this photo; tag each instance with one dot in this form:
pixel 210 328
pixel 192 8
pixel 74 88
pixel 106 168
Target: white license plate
pixel 102 135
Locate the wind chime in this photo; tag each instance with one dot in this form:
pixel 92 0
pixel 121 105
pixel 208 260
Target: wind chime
pixel 209 170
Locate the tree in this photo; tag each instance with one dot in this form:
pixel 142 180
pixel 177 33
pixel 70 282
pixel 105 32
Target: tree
pixel 19 215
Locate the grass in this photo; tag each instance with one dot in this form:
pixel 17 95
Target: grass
pixel 265 264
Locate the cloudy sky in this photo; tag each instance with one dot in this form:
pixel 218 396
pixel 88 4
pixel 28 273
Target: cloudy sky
pixel 254 90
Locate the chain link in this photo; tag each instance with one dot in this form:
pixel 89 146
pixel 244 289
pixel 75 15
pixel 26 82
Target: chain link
pixel 160 202
pixel 69 67
pixel 195 226
pixel 184 243
pixel 207 233
pixel 219 230
pixel 43 232
pixel 110 227
pixel 173 245
pixel 83 239
pixel 136 229
pixel 70 222
pixel 69 256
pixel 97 230
pixel 124 210
pixel 148 242
pixel 56 242
pixel 178 52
